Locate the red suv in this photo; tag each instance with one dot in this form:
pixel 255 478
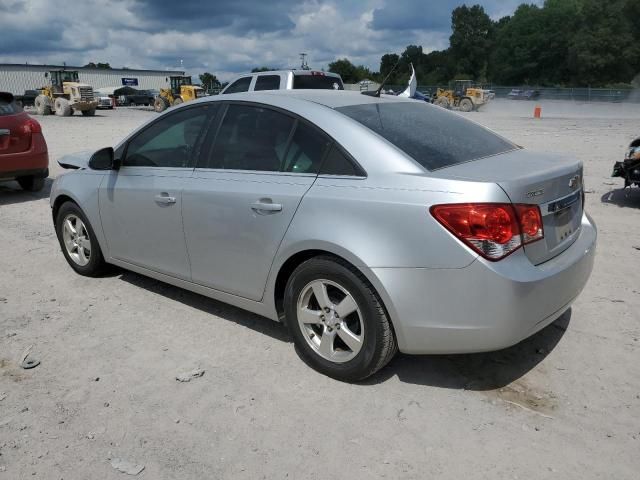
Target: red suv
pixel 23 150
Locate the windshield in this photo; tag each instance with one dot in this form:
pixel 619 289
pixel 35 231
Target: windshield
pixel 8 106
pixel 432 136
pixel 317 82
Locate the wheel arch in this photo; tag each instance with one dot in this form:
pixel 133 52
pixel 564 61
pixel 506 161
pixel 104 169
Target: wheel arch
pixel 294 259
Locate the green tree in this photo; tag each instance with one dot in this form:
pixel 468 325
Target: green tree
pixel 470 40
pixel 209 81
pixel 349 72
pixel 387 64
pixel 104 66
pixel 262 69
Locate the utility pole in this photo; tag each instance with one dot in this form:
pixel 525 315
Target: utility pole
pixel 303 58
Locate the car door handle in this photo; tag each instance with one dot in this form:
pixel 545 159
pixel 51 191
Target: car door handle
pixel 266 206
pixel 165 199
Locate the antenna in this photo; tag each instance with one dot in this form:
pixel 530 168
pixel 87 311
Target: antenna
pixel 303 58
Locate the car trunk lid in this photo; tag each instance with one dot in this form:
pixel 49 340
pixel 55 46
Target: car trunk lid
pixel 552 182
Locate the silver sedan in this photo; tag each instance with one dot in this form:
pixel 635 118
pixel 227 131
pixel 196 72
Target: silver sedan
pixel 368 225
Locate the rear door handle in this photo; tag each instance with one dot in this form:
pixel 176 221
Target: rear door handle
pixel 165 199
pixel 266 206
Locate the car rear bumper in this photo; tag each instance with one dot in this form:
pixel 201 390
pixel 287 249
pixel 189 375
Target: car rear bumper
pixel 487 305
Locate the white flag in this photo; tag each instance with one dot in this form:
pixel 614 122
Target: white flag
pixel 413 83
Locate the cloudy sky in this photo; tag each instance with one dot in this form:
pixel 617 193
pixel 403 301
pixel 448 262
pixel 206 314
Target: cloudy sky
pixel 224 38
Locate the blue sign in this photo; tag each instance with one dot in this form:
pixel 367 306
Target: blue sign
pixel 130 82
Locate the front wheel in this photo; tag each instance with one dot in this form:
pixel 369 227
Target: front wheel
pixel 337 321
pixel 78 241
pixel 160 104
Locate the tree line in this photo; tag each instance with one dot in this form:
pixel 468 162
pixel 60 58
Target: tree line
pixel 563 43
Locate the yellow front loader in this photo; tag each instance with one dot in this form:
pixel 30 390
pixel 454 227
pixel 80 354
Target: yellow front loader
pixel 464 95
pixel 180 91
pixel 65 94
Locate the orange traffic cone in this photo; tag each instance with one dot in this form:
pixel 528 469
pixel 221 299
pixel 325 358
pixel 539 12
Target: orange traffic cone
pixel 537 111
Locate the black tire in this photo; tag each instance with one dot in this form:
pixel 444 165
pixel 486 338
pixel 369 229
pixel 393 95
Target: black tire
pixel 442 102
pixel 31 183
pixel 89 113
pixel 466 105
pixel 42 105
pixel 379 344
pixel 160 104
pixel 62 107
pixel 96 265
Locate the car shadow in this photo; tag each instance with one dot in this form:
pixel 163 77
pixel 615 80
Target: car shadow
pixel 476 371
pixel 208 305
pixel 11 192
pixel 623 197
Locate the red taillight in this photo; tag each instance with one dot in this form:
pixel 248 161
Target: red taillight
pixel 494 230
pixel 31 126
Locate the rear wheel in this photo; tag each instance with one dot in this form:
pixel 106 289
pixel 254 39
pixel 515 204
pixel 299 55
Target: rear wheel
pixel 177 101
pixel 62 107
pixel 78 241
pixel 466 105
pixel 337 321
pixel 160 104
pixel 89 113
pixel 42 105
pixel 31 183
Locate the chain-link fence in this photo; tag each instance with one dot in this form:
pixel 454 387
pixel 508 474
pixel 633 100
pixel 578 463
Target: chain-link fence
pixel 532 93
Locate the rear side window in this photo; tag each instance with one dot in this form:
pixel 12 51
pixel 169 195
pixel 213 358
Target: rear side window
pixel 306 151
pixel 240 85
pixel 251 138
pixel 267 82
pixel 432 136
pixel 317 82
pixel 8 106
pixel 337 163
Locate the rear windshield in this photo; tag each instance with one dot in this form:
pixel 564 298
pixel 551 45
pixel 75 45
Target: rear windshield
pixel 8 107
pixel 317 82
pixel 430 135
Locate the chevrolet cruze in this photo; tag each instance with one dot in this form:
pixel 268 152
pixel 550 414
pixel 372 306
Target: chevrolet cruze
pixel 366 224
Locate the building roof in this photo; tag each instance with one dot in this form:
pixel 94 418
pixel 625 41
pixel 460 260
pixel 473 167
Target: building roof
pixel 104 70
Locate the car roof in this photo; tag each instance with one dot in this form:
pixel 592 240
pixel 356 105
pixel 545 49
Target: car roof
pixel 328 98
pixel 295 71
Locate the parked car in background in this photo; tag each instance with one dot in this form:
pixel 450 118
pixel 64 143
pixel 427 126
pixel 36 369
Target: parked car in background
pixel 141 97
pixel 23 151
pixel 335 213
pixel 104 101
pixel 284 80
pixel 28 99
pixel 517 94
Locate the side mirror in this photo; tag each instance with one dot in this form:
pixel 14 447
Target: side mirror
pixel 103 159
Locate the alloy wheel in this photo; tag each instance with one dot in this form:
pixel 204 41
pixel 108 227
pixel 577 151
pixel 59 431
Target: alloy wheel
pixel 330 321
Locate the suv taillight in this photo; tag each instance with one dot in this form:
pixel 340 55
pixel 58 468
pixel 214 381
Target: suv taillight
pixel 494 230
pixel 31 126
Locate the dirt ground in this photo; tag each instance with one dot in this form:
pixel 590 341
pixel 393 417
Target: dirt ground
pixel 563 404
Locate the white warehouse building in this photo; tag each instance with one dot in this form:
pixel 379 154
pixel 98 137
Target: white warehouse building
pixel 16 78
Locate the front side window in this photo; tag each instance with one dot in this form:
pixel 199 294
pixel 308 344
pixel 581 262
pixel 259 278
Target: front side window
pixel 267 82
pixel 240 85
pixel 251 138
pixel 172 141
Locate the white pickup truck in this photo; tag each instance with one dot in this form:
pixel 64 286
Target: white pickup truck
pixel 284 80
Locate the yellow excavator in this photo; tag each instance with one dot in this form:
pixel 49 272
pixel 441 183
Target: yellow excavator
pixel 65 94
pixel 181 90
pixel 464 95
